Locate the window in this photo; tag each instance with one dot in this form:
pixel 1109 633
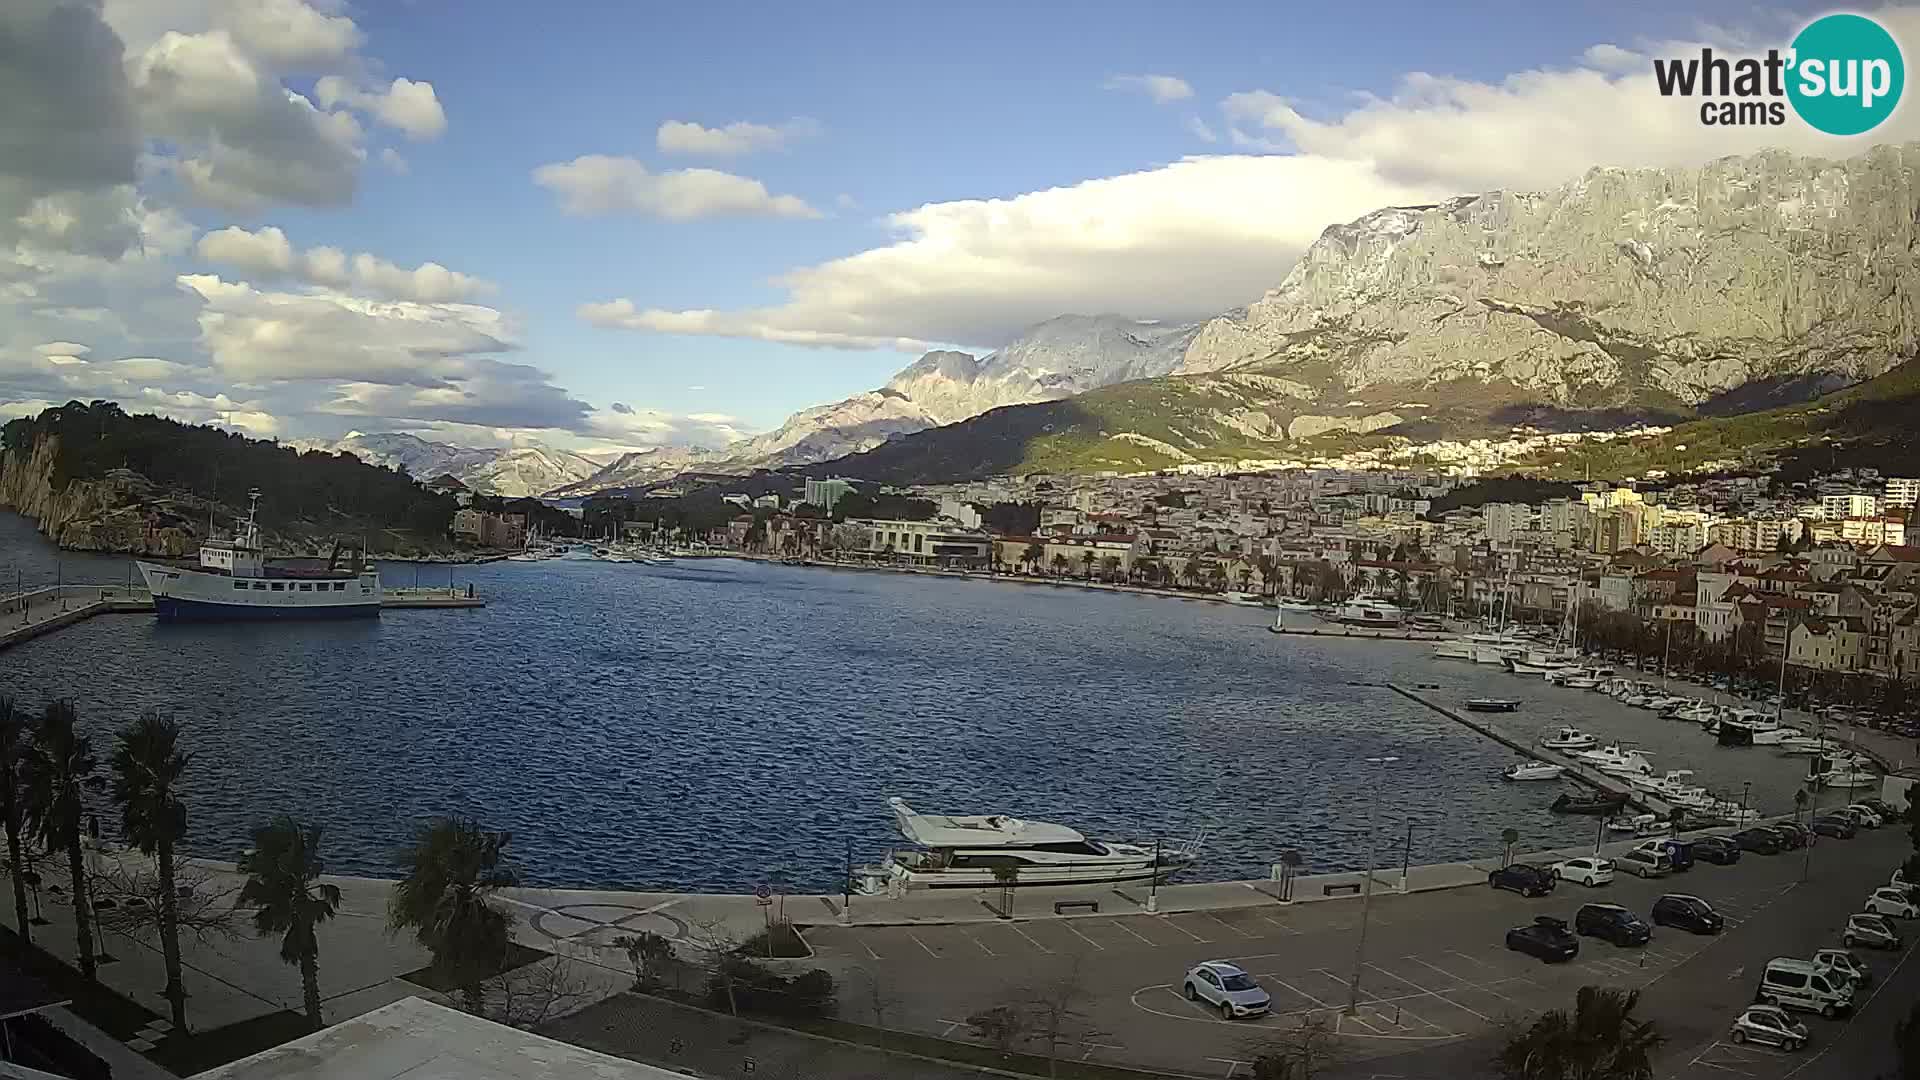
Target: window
pixel 240 585
pixel 306 586
pixel 260 585
pixel 278 587
pixel 1792 980
pixel 339 586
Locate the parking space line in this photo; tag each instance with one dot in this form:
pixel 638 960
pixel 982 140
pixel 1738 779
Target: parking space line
pixel 1439 969
pixel 1122 925
pixel 1015 927
pixel 1169 922
pixel 1374 1000
pixel 1472 960
pixel 1083 937
pixel 870 953
pixel 1226 924
pixel 1302 993
pixel 977 941
pixel 1431 993
pixel 923 945
pixel 1279 924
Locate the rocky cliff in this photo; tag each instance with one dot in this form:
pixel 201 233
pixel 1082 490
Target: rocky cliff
pixel 1654 287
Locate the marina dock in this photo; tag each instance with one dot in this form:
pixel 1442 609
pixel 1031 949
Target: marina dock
pixel 37 612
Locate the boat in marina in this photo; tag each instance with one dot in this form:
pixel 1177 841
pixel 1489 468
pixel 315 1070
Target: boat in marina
pixel 234 581
pixel 1803 744
pixel 1616 760
pixel 1364 610
pixel 955 851
pixel 1776 735
pixel 1532 770
pixel 1492 704
pixel 1300 607
pixel 1568 738
pixel 1453 649
pixel 1600 802
pixel 1846 777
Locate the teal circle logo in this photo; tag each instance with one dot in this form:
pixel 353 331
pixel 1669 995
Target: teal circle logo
pixel 1847 74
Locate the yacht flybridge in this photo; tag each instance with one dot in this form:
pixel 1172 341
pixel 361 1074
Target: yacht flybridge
pixel 958 851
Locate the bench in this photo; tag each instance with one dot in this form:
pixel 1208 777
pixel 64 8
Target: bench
pixel 1060 906
pixel 1335 890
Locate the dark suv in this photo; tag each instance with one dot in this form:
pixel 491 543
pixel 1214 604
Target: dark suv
pixel 1689 913
pixel 1613 923
pixel 1522 878
pixel 1715 849
pixel 1759 841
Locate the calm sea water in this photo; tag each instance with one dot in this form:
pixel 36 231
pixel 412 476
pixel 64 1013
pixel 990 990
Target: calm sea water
pixel 716 724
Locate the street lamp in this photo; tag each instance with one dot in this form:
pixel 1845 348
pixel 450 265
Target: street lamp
pixel 1366 894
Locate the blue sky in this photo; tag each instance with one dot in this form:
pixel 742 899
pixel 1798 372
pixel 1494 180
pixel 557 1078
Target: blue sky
pixel 1287 118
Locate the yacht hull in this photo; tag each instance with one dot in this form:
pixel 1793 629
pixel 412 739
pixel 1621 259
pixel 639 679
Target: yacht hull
pixel 177 609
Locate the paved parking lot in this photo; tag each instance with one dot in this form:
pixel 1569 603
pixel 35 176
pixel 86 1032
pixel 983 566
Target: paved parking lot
pixel 1435 970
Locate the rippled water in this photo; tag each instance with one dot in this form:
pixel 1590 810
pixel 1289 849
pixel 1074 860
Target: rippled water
pixel 715 724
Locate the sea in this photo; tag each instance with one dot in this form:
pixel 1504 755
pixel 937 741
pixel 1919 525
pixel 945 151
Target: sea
pixel 722 724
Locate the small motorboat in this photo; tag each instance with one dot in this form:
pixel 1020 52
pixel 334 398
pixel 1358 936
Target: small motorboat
pixel 1603 802
pixel 1852 776
pixel 1484 704
pixel 1579 682
pixel 1532 770
pixel 1651 825
pixel 1569 739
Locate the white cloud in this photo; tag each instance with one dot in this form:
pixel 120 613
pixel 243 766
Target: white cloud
pixel 411 107
pixel 62 348
pixel 266 252
pixel 685 137
pixel 1206 234
pixel 599 184
pixel 1161 88
pixel 290 34
pixel 1201 130
pixel 395 163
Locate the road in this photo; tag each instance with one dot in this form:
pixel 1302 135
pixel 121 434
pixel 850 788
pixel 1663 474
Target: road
pixel 1435 980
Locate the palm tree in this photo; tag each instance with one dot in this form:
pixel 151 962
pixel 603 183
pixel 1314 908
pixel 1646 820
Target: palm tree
pixel 13 733
pixel 147 765
pixel 288 899
pixel 1111 564
pixel 1032 555
pixel 1086 563
pixel 57 763
pixel 1600 1041
pixel 1059 563
pixel 453 869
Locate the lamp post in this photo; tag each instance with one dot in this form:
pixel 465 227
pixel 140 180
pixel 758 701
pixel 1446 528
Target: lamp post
pixel 1366 893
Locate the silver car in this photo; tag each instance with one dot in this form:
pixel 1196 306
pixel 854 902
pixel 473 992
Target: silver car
pixel 1771 1025
pixel 1870 930
pixel 1226 987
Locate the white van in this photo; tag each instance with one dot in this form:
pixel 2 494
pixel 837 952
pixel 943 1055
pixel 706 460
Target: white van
pixel 1800 984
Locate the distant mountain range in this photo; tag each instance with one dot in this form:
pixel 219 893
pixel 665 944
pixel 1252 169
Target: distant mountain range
pixel 1749 283
pixel 512 472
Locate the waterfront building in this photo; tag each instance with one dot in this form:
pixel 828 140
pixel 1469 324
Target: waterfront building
pixel 825 494
pixel 488 529
pixel 939 542
pixel 1829 644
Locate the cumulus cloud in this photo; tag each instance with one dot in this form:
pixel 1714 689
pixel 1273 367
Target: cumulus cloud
pixel 1201 130
pixel 599 184
pixel 1161 88
pixel 411 107
pixel 394 162
pixel 1206 234
pixel 685 137
pixel 291 34
pixel 266 252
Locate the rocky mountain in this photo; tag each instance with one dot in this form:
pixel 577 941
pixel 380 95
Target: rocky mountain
pixel 1749 282
pixel 512 472
pixel 1057 359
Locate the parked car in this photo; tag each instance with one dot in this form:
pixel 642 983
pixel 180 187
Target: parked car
pixel 1716 849
pixel 1759 841
pixel 1805 835
pixel 1882 807
pixel 1838 828
pixel 1586 870
pixel 1870 930
pixel 1769 1025
pixel 1861 818
pixel 1680 851
pixel 1545 937
pixel 1226 987
pixel 1869 817
pixel 1523 878
pixel 1845 963
pixel 1613 923
pixel 1798 984
pixel 1644 864
pixel 1790 838
pixel 1689 913
pixel 1892 900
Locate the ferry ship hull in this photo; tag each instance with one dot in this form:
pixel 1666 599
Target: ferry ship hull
pixel 180 609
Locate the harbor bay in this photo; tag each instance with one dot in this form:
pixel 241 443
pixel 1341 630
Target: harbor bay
pixel 720 724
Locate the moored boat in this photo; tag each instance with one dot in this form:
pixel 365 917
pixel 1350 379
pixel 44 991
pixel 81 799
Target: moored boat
pixel 1568 738
pixel 955 851
pixel 234 581
pixel 1532 770
pixel 1492 704
pixel 1602 802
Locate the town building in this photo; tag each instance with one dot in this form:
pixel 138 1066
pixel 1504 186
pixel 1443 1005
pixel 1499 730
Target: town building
pixel 938 542
pixel 489 529
pixel 825 494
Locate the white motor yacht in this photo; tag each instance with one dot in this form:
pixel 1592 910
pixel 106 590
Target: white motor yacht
pixel 1615 760
pixel 1532 770
pixel 1849 776
pixel 1698 712
pixel 1569 739
pixel 1803 744
pixel 1366 610
pixel 1776 735
pixel 1453 649
pixel 1244 599
pixel 964 852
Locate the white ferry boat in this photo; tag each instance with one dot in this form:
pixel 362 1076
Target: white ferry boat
pixel 964 852
pixel 1368 611
pixel 234 582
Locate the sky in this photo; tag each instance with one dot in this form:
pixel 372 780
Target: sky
pixel 603 226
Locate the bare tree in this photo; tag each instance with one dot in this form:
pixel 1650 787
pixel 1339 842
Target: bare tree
pixel 879 995
pixel 535 993
pixel 127 896
pixel 1054 1009
pixel 715 946
pixel 1294 1053
pixel 1000 1026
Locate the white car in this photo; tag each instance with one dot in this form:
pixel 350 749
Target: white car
pixel 1892 900
pixel 1586 870
pixel 1872 816
pixel 1771 1025
pixel 1228 988
pixel 1845 963
pixel 1870 930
